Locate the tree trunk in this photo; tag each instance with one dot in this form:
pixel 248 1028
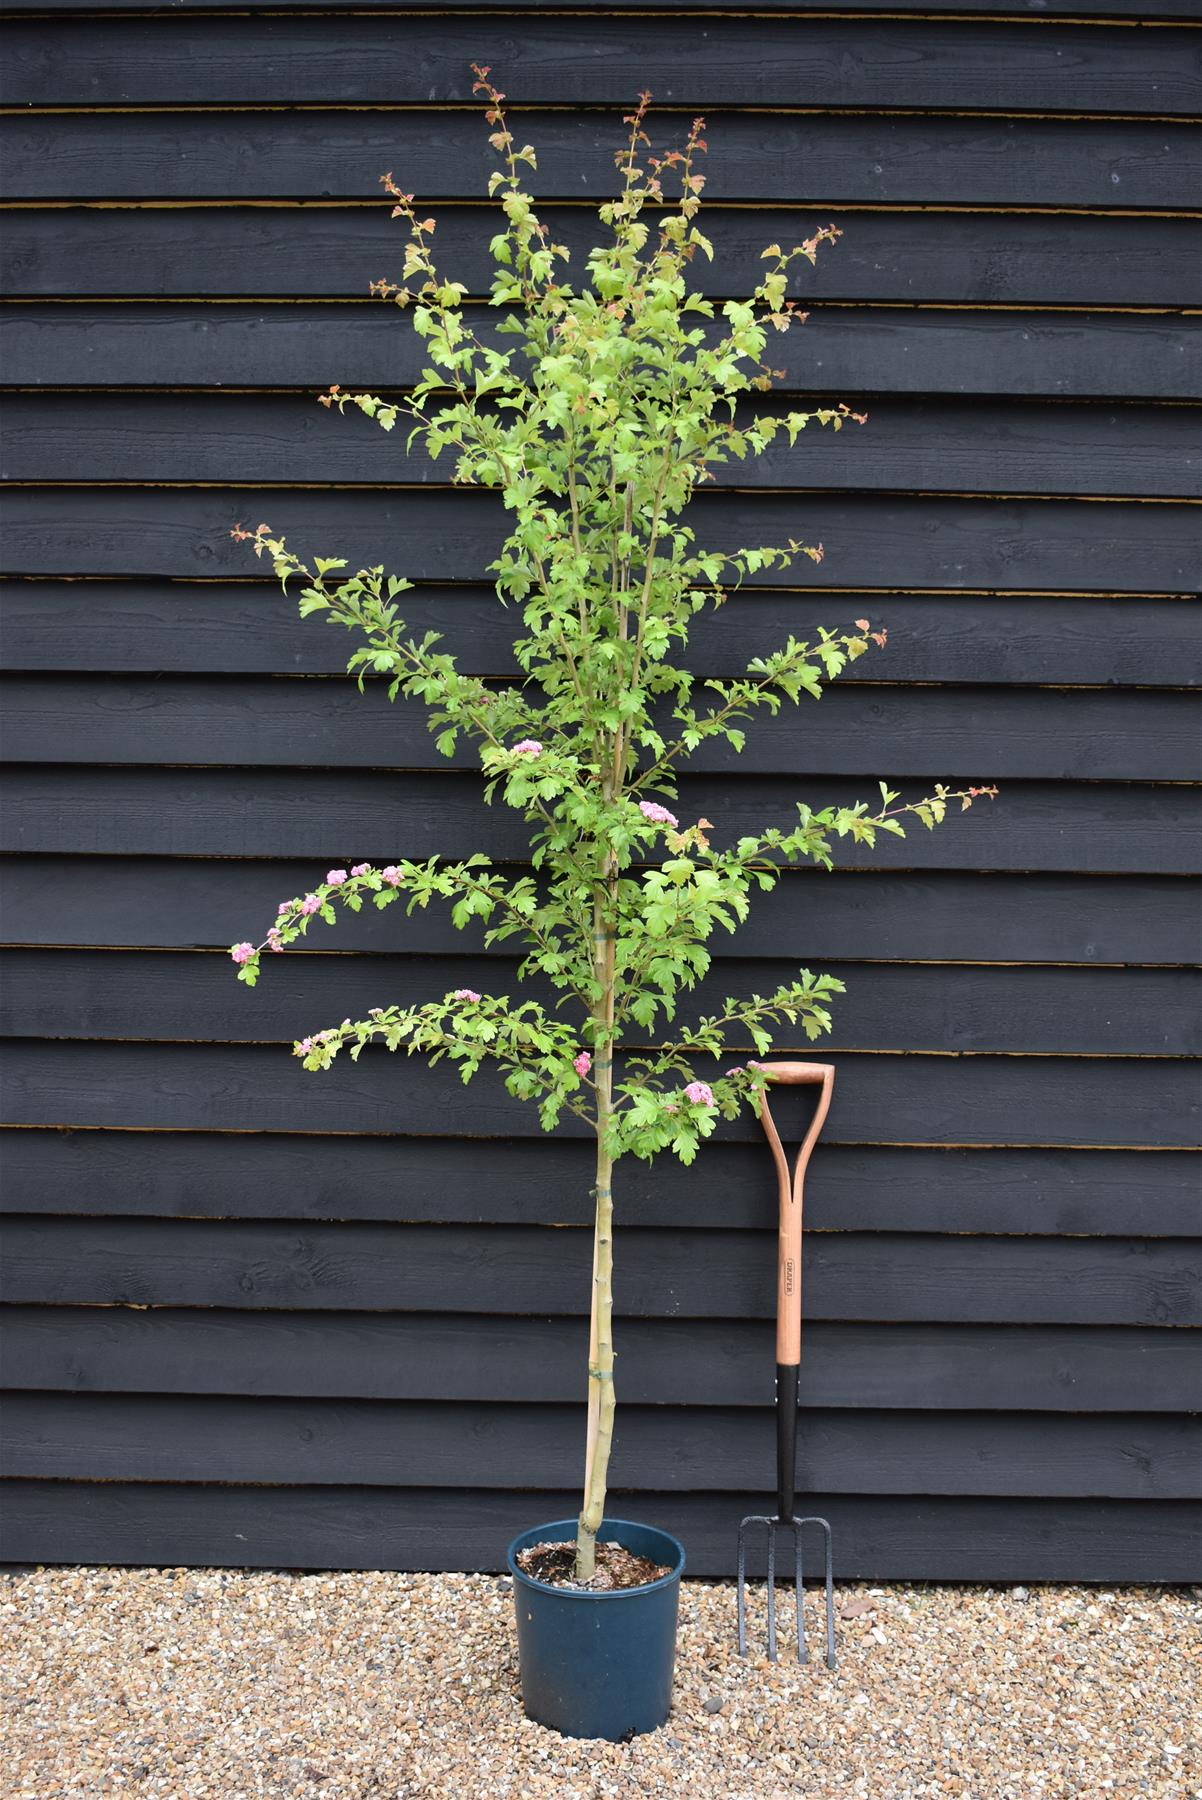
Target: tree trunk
pixel 601 1345
pixel 601 1400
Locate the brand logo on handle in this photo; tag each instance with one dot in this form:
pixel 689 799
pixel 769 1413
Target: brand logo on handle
pixel 790 1275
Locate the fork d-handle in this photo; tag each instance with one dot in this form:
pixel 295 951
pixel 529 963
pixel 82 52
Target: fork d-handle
pixel 788 1261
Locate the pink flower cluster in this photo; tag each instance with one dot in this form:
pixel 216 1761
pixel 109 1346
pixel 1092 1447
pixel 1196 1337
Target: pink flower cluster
pixel 528 747
pixel 465 994
pixel 335 878
pixel 582 1063
pixel 700 1093
pixel 657 814
pixel 242 953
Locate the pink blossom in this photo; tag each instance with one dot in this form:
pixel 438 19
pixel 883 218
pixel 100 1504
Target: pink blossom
pixel 304 1047
pixel 336 877
pixel 700 1093
pixel 375 1012
pixel 671 1107
pixel 465 994
pixel 528 747
pixel 242 953
pixel 737 1070
pixel 273 939
pixel 285 906
pixel 310 904
pixel 582 1063
pixel 392 875
pixel 361 869
pixel 657 814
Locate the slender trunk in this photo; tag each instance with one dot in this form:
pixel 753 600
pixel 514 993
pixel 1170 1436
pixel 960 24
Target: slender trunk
pixel 600 1375
pixel 601 1402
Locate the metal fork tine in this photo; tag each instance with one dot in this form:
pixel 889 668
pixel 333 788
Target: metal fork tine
pixel 741 1573
pixel 829 1583
pixel 772 1590
pixel 741 1587
pixel 803 1654
pixel 831 1661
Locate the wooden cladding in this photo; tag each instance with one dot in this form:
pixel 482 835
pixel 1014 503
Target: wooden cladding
pixel 259 1317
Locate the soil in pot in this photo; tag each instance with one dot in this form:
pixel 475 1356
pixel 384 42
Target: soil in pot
pixel 554 1564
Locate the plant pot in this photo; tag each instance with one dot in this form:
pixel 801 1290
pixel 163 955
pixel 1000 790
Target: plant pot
pixel 598 1665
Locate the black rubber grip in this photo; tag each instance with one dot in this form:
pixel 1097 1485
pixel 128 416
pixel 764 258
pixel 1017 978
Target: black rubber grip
pixel 786 1436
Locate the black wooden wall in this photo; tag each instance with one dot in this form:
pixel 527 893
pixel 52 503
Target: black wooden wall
pixel 259 1317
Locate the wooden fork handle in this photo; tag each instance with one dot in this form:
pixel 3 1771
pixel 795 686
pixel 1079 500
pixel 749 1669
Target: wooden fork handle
pixel 792 1188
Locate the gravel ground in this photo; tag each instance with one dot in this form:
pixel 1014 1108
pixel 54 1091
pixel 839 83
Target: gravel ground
pixel 197 1683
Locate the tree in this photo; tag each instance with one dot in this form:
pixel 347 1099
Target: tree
pixel 596 427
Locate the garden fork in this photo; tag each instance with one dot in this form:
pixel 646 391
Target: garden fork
pixel 788 1362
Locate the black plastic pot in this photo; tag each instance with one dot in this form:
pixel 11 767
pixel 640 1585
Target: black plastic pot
pixel 598 1665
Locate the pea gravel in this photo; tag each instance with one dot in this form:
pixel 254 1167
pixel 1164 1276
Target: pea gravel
pixel 188 1683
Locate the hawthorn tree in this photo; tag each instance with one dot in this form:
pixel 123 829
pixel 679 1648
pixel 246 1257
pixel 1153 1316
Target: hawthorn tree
pixel 596 426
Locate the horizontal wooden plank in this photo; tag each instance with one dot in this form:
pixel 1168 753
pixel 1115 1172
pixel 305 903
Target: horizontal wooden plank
pixel 250 628
pixel 948 446
pixel 525 1269
pixel 736 61
pixel 261 1175
pixel 881 350
pixel 819 158
pixel 372 816
pixel 250 722
pixel 1089 1102
pixel 871 540
pixel 193 997
pixel 1130 11
pixel 469 1357
pixel 465 1356
pixel 128 251
pixel 894 1537
pixel 333 252
pixel 189 903
pixel 152 1437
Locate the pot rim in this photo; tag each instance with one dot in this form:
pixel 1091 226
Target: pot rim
pixel 613 1525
